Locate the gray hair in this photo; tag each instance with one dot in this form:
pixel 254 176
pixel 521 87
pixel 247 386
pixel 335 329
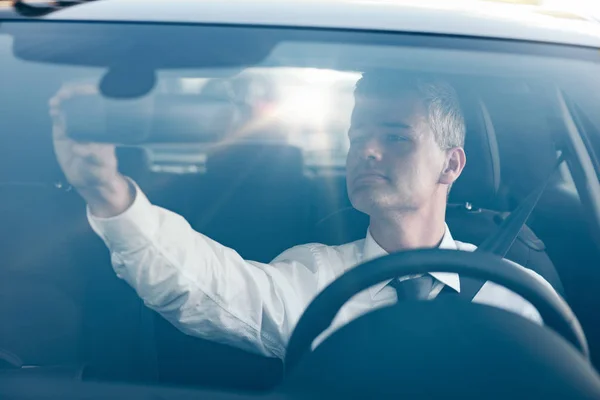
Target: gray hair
pixel 444 113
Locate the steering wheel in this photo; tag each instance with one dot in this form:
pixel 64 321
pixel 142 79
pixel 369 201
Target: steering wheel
pixel 554 311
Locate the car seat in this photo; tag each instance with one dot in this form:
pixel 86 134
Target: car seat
pixel 252 198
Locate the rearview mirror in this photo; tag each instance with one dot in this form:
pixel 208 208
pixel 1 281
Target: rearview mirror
pixel 128 81
pixel 149 119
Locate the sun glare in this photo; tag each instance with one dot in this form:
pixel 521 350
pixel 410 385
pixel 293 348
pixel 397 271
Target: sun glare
pixel 308 105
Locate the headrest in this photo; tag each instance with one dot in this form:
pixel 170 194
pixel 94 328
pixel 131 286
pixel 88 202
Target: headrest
pixel 255 158
pixel 480 180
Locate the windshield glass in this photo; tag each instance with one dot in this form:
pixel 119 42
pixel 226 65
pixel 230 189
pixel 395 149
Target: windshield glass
pixel 263 140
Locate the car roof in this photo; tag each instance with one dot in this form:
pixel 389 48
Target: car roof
pixel 457 17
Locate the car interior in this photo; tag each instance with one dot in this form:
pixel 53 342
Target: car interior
pixel 242 211
pixel 259 198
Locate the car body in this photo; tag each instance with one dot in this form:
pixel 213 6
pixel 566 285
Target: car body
pixel 465 18
pixel 529 72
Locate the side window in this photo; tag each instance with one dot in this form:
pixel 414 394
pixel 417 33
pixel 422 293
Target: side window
pixel 590 134
pixel 582 92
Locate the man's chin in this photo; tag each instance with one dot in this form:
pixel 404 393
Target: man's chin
pixel 366 201
pixel 375 203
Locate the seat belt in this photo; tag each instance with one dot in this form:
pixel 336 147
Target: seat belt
pixel 501 241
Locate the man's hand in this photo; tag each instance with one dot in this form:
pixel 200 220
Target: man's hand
pixel 91 168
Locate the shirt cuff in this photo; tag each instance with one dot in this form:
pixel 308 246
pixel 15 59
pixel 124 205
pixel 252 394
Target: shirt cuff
pixel 131 229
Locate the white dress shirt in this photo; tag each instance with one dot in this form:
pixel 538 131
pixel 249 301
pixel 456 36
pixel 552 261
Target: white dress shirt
pixel 208 290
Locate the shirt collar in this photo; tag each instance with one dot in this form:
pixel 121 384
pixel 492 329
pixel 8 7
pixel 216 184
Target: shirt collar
pixel 372 250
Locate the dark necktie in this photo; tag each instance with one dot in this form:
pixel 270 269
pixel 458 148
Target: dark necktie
pixel 417 288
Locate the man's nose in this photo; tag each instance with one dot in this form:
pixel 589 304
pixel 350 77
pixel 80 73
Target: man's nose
pixel 372 149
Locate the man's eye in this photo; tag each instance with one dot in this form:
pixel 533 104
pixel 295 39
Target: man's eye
pixel 396 138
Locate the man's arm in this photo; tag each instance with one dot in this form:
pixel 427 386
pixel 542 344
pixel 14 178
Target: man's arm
pixel 203 288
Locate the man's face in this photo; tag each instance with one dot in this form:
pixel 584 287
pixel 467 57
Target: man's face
pixel 394 162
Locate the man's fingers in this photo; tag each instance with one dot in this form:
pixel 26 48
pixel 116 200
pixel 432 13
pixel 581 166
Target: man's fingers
pixel 84 149
pixel 70 90
pixel 67 92
pixel 58 125
pixel 93 153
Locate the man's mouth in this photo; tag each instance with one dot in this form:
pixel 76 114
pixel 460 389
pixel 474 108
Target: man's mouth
pixel 370 177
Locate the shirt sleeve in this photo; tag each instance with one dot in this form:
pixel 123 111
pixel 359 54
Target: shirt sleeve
pixel 204 288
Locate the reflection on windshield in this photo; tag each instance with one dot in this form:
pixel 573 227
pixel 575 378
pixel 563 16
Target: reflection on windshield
pixel 304 107
pixel 245 137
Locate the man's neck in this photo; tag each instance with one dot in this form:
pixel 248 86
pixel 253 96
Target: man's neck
pixel 397 231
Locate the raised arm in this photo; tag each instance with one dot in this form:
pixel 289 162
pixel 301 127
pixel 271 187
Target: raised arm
pixel 203 288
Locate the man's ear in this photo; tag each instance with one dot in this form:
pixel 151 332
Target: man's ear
pixel 454 165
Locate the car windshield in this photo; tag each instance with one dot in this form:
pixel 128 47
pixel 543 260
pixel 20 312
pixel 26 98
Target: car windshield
pixel 245 132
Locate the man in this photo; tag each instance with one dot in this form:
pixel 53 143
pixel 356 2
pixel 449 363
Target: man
pixel 407 137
